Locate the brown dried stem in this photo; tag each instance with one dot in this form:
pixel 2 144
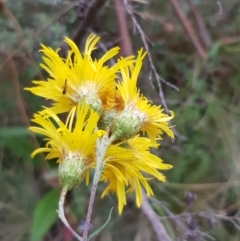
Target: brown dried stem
pixel 12 68
pixel 180 224
pixel 88 15
pixel 18 29
pixel 187 26
pixel 232 219
pixel 203 33
pixel 152 66
pixel 125 41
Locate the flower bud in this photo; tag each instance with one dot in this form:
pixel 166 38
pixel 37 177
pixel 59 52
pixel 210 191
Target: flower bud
pixel 126 125
pixel 189 197
pixel 212 222
pixel 93 101
pixel 106 119
pixel 71 172
pixel 192 223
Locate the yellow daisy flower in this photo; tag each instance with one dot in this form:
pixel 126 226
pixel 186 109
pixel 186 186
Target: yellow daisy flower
pixel 72 144
pixel 78 78
pixel 125 168
pixel 138 113
pixel 86 89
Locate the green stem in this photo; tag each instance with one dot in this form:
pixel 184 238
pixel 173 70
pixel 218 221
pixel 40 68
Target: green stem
pixel 61 214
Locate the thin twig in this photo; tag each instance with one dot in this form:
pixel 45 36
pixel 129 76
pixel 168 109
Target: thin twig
pixel 153 218
pixel 159 79
pixel 61 214
pixel 24 44
pixel 232 219
pixel 181 225
pixel 171 216
pixel 203 33
pixel 91 11
pixel 12 68
pixel 153 69
pixel 201 186
pixel 205 235
pixel 21 37
pixel 195 235
pixel 125 41
pixel 178 220
pixel 187 26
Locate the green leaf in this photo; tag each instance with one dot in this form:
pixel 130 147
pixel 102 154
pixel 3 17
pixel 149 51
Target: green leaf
pixel 96 232
pixel 44 215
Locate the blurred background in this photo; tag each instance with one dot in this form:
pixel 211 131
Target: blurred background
pixel 192 68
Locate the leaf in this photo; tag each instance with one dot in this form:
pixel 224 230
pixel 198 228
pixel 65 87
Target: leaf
pixel 96 232
pixel 44 215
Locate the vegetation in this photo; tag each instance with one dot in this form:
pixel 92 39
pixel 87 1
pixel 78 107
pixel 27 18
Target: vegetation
pixel 200 79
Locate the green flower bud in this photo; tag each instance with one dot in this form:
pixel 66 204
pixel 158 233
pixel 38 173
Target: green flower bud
pixel 71 172
pixel 126 125
pixel 106 119
pixel 93 101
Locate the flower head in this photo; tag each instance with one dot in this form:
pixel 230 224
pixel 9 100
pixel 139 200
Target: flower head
pixel 86 89
pixel 125 168
pixel 78 78
pixel 138 113
pixel 72 144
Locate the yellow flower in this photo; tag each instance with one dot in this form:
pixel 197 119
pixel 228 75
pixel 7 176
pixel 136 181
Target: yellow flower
pixel 125 167
pixel 86 89
pixel 138 113
pixel 73 145
pixel 78 78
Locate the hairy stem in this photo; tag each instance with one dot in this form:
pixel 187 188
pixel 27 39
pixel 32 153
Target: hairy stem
pixel 61 214
pixel 101 148
pixel 89 212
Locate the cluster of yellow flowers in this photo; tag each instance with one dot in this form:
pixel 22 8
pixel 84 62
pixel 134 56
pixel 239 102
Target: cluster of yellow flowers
pixel 100 101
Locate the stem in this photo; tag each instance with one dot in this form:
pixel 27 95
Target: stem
pixel 158 227
pixel 89 212
pixel 101 148
pixel 61 214
pixel 188 28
